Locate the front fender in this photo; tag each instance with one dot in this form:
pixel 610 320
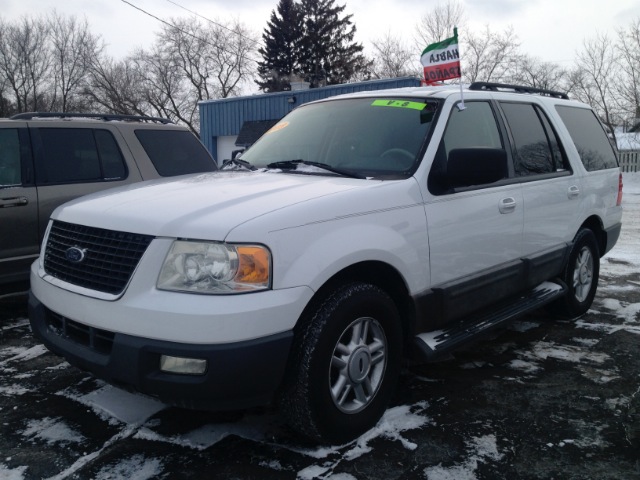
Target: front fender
pixel 397 237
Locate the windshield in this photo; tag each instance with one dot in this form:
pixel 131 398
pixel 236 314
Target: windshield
pixel 366 137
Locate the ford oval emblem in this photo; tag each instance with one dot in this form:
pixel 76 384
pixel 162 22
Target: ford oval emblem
pixel 75 254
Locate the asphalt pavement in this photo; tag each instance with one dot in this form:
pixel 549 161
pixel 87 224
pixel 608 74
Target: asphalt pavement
pixel 544 399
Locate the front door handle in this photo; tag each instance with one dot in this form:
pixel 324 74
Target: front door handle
pixel 13 202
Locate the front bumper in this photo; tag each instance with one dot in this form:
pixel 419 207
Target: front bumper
pixel 239 375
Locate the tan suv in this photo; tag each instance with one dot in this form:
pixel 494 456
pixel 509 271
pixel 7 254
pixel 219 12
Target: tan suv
pixel 47 159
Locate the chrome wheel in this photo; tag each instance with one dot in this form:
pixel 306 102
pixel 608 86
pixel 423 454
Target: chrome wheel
pixel 358 365
pixel 583 274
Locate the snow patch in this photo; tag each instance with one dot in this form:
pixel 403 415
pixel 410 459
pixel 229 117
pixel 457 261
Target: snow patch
pixel 124 406
pixel 11 390
pixel 567 353
pixel 135 468
pixel 523 326
pixel 393 423
pixel 526 367
pixel 52 430
pixel 7 473
pixel 23 354
pixel 481 449
pixel 254 428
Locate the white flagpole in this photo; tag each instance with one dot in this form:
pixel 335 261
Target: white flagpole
pixel 461 104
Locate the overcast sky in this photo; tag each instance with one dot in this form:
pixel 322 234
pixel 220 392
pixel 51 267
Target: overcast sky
pixel 552 30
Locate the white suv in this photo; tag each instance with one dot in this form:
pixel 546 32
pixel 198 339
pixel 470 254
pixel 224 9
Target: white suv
pixel 358 231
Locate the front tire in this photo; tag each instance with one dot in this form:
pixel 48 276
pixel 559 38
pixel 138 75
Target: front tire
pixel 581 275
pixel 344 365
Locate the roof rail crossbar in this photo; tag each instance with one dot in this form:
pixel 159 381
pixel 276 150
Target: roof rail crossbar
pixel 496 87
pixel 99 116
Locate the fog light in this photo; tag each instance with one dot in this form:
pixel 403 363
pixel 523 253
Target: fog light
pixel 185 366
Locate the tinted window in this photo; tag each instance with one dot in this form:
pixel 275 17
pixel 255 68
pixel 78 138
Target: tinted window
pixel 589 137
pixel 113 165
pixel 473 127
pixel 175 152
pixel 532 153
pixel 10 173
pixel 77 155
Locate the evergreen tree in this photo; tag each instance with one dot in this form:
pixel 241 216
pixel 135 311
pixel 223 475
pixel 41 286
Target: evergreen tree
pixel 328 54
pixel 310 41
pixel 281 51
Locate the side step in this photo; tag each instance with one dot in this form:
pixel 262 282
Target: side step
pixel 429 345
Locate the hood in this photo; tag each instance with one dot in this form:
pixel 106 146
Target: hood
pixel 204 206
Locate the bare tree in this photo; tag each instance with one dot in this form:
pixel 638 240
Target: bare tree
pixel 438 23
pixel 190 62
pixel 532 72
pixel 115 86
pixel 490 56
pixel 590 80
pixel 25 63
pixel 627 85
pixel 74 49
pixel 392 58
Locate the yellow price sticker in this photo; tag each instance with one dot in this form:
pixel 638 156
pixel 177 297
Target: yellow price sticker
pixel 399 104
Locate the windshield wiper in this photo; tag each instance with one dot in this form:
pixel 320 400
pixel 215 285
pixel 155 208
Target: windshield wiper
pixel 234 163
pixel 292 164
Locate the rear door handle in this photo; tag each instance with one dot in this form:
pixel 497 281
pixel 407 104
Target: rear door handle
pixel 13 202
pixel 507 205
pixel 573 191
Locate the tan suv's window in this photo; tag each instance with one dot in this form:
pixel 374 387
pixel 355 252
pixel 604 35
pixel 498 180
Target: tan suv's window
pixel 175 152
pixel 79 155
pixel 9 157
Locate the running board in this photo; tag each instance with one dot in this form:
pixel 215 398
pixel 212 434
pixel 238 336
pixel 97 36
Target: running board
pixel 429 345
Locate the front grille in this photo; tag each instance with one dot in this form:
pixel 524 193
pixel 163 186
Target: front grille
pixel 96 339
pixel 106 263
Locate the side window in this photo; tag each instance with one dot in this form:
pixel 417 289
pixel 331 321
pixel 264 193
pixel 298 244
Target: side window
pixel 175 152
pixel 113 164
pixel 589 137
pixel 10 170
pixel 473 127
pixel 79 155
pixel 532 150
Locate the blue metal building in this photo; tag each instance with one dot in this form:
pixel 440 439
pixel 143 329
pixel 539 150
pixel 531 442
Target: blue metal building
pixel 232 123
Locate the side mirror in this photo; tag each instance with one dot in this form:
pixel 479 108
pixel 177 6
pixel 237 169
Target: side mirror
pixel 475 166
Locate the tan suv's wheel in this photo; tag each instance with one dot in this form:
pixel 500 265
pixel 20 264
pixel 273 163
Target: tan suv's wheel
pixel 344 365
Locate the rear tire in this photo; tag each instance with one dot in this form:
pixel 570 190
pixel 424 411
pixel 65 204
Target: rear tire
pixel 344 365
pixel 581 276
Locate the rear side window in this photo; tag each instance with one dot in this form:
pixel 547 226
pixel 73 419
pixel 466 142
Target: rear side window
pixel 536 150
pixel 175 152
pixel 10 169
pixel 78 155
pixel 589 137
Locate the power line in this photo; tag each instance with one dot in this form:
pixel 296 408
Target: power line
pixel 189 33
pixel 255 42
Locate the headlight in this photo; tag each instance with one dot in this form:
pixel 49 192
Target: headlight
pixel 212 267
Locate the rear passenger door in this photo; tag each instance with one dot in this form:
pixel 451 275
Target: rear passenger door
pixel 550 190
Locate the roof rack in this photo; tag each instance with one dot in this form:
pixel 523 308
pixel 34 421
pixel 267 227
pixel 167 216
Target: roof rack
pixel 99 116
pixel 497 87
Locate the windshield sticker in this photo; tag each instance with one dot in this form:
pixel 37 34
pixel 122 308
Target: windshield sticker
pixel 278 126
pixel 399 104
